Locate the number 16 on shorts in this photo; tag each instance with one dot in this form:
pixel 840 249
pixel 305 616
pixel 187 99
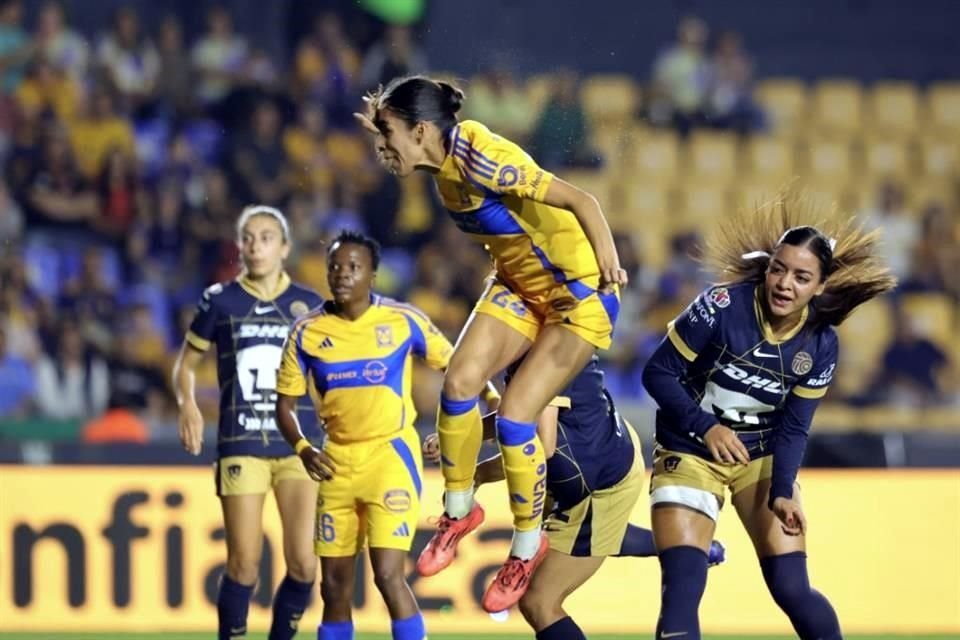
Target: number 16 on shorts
pixel 325 531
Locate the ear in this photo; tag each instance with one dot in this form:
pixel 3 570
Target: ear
pixel 821 288
pixel 419 131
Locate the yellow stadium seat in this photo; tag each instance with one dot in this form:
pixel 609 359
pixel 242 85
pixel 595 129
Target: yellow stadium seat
pixel 612 141
pixel 656 155
pixel 864 337
pixel 785 102
pixel 934 316
pixel 769 159
pixel 925 192
pixel 596 182
pixel 643 211
pixel 943 107
pixel 837 106
pixel 539 89
pixel 752 195
pixel 885 157
pixel 893 108
pixel 712 157
pixel 939 158
pixel 609 98
pixel 698 207
pixel 829 160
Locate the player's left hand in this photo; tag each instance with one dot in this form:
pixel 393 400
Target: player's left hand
pixel 431 448
pixel 611 273
pixel 366 123
pixel 791 517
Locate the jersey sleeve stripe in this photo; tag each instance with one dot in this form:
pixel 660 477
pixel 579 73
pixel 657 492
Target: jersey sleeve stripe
pixel 196 341
pixel 810 394
pixel 395 304
pixel 476 156
pixel 679 344
pixel 473 166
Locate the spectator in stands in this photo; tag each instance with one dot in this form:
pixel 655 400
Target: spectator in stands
pixel 899 227
pixel 219 57
pixel 729 103
pixel 72 382
pixel 57 195
pixel 499 102
pixel 120 197
pixel 18 388
pixel 913 368
pixel 175 79
pixel 258 159
pixel 98 130
pixel 935 262
pixel 326 68
pixel 119 424
pixel 11 219
pixel 395 55
pixel 91 301
pixel 130 60
pixel 681 79
pixel 560 138
pixel 16 48
pixel 67 50
pixel 46 90
pixel 305 145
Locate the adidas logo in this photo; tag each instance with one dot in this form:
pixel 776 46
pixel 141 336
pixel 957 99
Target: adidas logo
pixel 402 531
pixel 327 343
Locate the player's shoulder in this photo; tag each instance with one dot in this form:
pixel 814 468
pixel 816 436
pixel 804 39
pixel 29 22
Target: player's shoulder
pixel 220 294
pixel 825 339
pixel 301 299
pixel 472 131
pixel 725 299
pixel 314 317
pixel 393 306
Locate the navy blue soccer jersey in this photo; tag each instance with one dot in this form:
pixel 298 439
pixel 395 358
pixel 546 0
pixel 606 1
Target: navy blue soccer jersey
pixel 594 450
pixel 721 364
pixel 249 334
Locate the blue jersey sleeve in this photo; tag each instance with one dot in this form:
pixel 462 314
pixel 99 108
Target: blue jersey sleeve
pixel 201 333
pixel 790 440
pixel 687 336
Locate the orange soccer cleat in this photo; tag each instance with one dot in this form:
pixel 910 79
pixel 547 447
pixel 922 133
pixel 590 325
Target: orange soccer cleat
pixel 512 580
pixel 442 548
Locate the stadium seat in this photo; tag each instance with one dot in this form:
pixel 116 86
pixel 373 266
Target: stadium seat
pixel 609 98
pixel 939 157
pixel 893 108
pixel 769 159
pixel 643 210
pixel 655 155
pixel 934 316
pixel 943 108
pixel 594 181
pixel 753 194
pixel 864 336
pixel 828 160
pixel 712 157
pixel 924 192
pixel 785 102
pixel 837 106
pixel 699 207
pixel 611 141
pixel 885 158
pixel 539 87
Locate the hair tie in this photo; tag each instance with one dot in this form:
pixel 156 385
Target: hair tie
pixel 755 255
pixel 833 243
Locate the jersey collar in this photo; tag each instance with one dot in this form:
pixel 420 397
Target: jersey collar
pixel 765 327
pixel 254 289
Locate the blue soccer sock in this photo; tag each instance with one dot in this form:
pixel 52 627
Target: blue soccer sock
pixel 562 629
pixel 288 606
pixel 638 543
pixel 411 628
pixel 683 577
pixel 233 603
pixel 809 611
pixel 335 630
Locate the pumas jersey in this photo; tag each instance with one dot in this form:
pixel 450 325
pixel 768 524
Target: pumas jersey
pixel 492 190
pixel 249 333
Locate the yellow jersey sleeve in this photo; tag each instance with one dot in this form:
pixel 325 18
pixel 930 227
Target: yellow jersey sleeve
pixel 428 342
pixel 292 377
pixel 496 164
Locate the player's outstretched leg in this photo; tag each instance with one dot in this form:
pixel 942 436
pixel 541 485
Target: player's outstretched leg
pixel 638 543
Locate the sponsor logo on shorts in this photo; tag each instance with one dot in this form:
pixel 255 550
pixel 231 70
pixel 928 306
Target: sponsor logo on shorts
pixel 403 531
pixel 720 297
pixel 802 363
pixel 563 304
pixel 671 463
pixel 233 471
pixel 397 500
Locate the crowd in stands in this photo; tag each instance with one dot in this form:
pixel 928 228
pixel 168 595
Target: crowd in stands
pixel 129 153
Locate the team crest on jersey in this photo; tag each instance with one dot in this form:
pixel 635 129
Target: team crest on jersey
pixel 802 363
pixel 298 308
pixel 384 333
pixel 508 176
pixel 671 463
pixel 720 297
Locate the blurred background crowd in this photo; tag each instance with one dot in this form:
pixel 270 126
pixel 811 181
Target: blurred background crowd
pixel 129 149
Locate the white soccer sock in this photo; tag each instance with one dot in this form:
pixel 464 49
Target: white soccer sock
pixel 525 543
pixel 458 504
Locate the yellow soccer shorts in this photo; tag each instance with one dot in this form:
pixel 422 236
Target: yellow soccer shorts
pixel 591 316
pixel 373 498
pixel 596 525
pixel 251 475
pixel 692 481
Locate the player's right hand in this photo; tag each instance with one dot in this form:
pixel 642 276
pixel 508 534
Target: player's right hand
pixel 318 464
pixel 725 446
pixel 190 425
pixel 431 448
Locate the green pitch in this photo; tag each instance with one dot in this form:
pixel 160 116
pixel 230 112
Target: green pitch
pixel 377 636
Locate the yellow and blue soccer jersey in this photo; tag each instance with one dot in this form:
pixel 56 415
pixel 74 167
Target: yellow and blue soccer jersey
pixel 493 191
pixel 362 369
pixel 721 364
pixel 249 333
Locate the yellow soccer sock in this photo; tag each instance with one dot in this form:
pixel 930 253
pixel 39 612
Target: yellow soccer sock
pixel 525 466
pixel 460 428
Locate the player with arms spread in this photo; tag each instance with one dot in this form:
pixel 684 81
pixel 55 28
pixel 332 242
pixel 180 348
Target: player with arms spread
pixel 358 350
pixel 594 477
pixel 554 298
pixel 247 320
pixel 737 380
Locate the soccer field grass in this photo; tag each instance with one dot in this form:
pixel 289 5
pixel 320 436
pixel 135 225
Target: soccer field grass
pixel 381 636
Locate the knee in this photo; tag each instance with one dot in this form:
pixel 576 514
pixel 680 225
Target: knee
pixel 462 383
pixel 539 608
pixel 302 567
pixel 336 589
pixel 243 568
pixel 389 580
